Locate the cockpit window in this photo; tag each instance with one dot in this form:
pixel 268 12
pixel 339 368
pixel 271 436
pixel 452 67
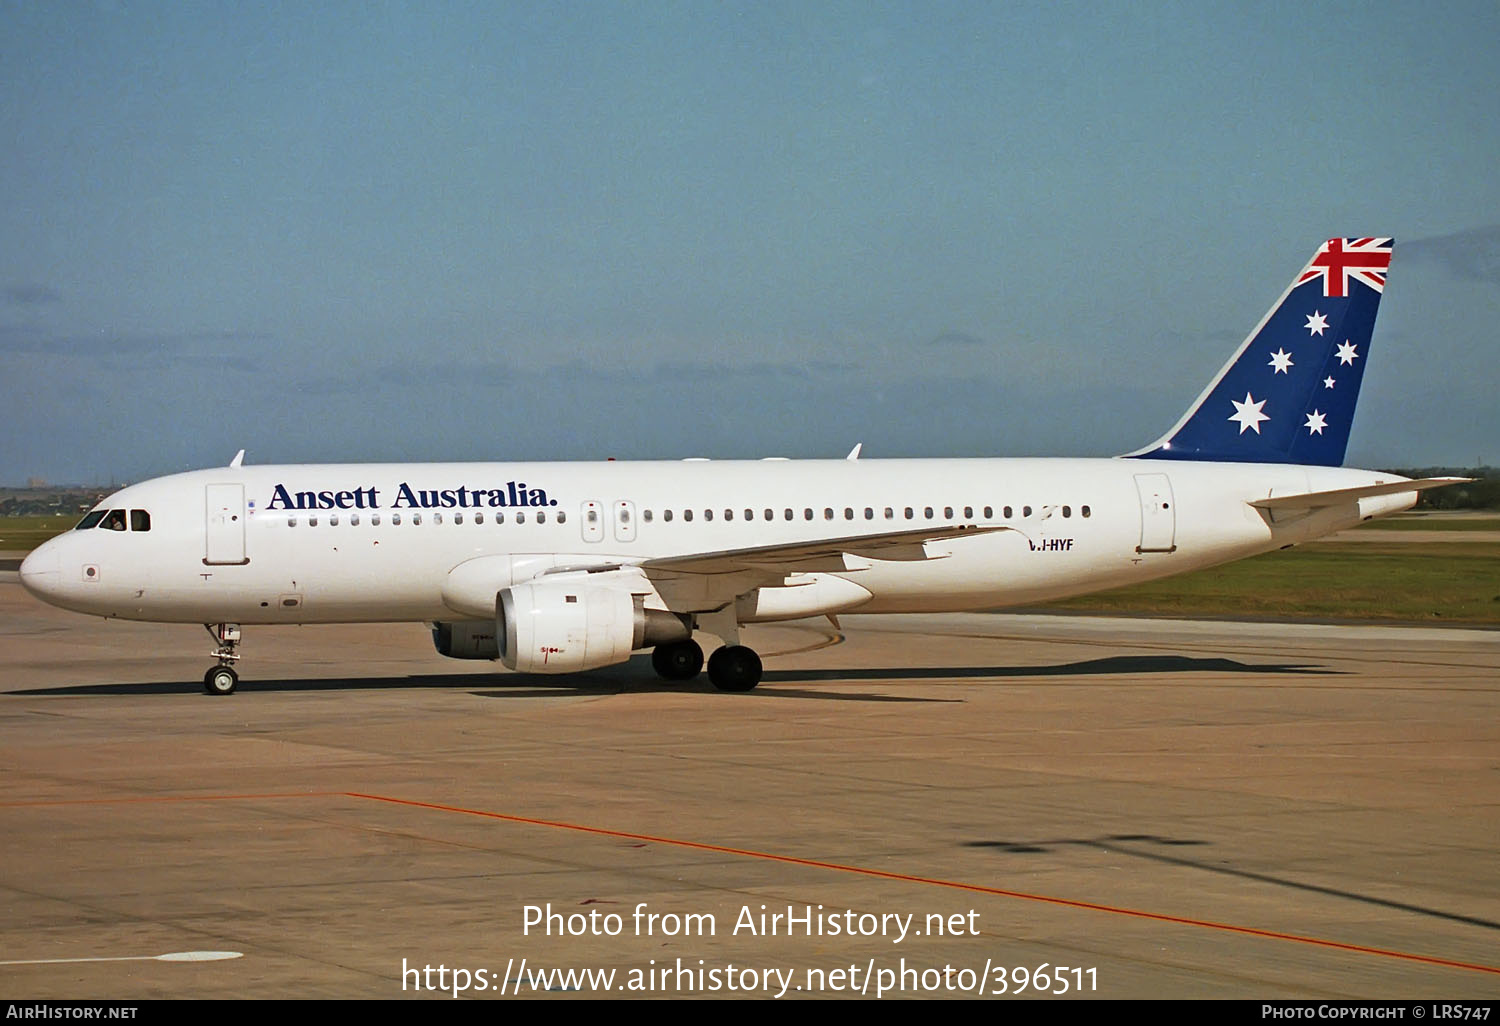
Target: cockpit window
pixel 140 520
pixel 92 520
pixel 114 520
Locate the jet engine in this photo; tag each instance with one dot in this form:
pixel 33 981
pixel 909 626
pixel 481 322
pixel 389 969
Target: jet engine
pixel 578 622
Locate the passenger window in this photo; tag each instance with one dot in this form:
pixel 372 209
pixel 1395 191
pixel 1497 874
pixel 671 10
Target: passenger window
pixel 770 515
pixel 788 514
pixel 562 518
pixel 479 517
pixel 666 515
pixel 1086 511
pixel 869 513
pixel 908 513
pixel 1008 512
pixel 806 514
pixel 140 520
pixel 968 512
pixel 333 520
pixel 520 516
pixel 500 516
pixel 646 515
pixel 291 521
pixel 827 513
pixel 947 512
pixel 353 519
pixel 1067 511
pixel 541 516
pixel 687 514
pixel 1025 511
pixel 416 518
pixel 890 514
pixel 91 521
pixel 708 514
pixel 927 512
pixel 989 512
pixel 396 519
pixel 312 521
pixel 750 514
pixel 458 518
pixel 437 518
pixel 375 519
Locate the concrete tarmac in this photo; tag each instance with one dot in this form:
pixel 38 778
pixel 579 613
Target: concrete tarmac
pixel 1166 808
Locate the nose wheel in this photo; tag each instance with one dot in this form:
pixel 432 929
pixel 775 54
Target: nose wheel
pixel 221 679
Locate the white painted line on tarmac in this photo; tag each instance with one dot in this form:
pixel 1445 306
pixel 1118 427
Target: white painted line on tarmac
pixel 171 956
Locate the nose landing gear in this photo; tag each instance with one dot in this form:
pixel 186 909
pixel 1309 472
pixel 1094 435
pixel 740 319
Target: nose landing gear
pixel 221 679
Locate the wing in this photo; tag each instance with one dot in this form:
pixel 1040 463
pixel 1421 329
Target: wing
pixel 824 554
pixel 706 581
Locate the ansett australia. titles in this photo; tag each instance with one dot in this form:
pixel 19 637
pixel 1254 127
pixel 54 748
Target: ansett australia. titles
pixel 513 493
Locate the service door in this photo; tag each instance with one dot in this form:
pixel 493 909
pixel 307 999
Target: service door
pixel 224 527
pixel 1158 517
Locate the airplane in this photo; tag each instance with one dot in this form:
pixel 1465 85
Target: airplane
pixel 564 567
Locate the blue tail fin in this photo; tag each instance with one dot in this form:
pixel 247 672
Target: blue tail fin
pixel 1287 395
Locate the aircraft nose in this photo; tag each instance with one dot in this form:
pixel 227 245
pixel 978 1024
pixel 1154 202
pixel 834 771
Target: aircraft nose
pixel 41 571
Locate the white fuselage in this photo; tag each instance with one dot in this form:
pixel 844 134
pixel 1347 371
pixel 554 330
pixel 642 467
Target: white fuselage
pixel 381 542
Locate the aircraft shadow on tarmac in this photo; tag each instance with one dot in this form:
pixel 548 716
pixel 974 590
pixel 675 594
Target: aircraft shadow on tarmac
pixel 636 678
pixel 1145 846
pixel 1154 664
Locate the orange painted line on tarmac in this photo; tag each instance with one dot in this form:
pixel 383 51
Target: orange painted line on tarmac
pixel 1207 924
pixel 171 798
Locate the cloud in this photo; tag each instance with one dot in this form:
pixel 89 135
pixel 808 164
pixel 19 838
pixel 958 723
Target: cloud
pixel 25 338
pixel 1473 255
pixel 24 294
pixel 955 338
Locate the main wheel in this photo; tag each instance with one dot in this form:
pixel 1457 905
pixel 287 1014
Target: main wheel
pixel 734 668
pixel 221 680
pixel 680 660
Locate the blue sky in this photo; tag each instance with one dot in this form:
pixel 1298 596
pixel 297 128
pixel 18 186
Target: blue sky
pixel 533 231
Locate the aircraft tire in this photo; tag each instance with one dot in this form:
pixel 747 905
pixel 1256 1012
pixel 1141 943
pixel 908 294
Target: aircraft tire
pixel 734 668
pixel 221 680
pixel 679 660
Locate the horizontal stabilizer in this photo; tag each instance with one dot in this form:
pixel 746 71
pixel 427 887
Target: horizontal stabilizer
pixel 1339 496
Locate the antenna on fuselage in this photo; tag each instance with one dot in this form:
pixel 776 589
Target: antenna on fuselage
pixel 854 452
pixel 239 458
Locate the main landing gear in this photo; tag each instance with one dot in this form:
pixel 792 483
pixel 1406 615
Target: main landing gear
pixel 730 668
pixel 734 668
pixel 221 679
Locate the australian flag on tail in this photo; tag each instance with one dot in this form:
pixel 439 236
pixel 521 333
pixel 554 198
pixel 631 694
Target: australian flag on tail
pixel 1287 395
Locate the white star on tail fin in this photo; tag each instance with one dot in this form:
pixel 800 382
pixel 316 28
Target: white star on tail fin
pixel 1247 414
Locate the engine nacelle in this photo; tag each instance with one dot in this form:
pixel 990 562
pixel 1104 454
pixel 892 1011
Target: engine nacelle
pixel 576 623
pixel 466 639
